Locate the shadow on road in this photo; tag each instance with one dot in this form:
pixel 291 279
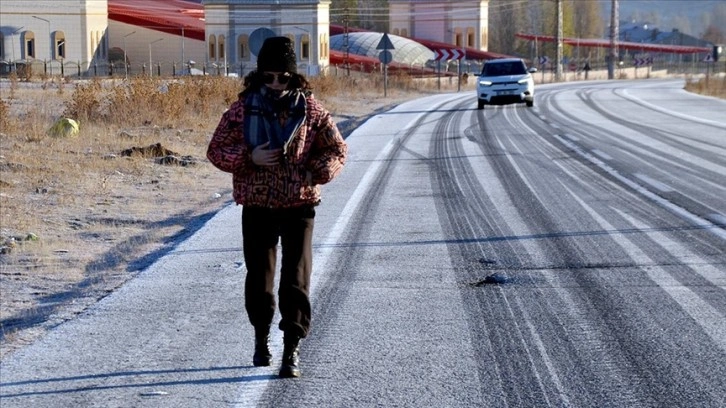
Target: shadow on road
pixel 55 385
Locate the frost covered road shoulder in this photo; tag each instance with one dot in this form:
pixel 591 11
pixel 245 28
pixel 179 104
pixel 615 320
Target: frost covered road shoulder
pixel 464 258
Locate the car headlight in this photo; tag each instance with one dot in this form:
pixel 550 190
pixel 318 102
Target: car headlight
pixel 485 83
pixel 523 81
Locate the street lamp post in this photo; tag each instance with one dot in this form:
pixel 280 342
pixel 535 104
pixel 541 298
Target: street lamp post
pixel 151 73
pixel 126 65
pixel 50 43
pixel 182 49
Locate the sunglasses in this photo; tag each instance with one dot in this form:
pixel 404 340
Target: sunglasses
pixel 282 78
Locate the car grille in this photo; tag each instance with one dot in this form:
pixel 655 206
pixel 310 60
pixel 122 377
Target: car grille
pixel 515 83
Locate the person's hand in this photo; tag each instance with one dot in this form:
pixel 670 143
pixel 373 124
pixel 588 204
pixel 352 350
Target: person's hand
pixel 262 156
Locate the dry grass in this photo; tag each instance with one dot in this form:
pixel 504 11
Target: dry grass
pixel 78 217
pixel 710 86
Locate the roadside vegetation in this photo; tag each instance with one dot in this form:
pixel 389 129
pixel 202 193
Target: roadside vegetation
pixel 127 129
pixel 710 86
pixel 81 212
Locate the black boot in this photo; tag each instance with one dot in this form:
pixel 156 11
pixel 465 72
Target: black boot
pixel 290 357
pixel 262 357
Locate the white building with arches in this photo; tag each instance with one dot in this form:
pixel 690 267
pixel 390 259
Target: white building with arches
pixel 235 30
pixel 462 23
pixel 53 35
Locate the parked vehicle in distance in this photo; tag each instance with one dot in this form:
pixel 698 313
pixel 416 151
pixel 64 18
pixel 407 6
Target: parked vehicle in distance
pixel 504 81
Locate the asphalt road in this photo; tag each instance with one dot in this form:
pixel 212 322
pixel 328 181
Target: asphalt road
pixel 567 255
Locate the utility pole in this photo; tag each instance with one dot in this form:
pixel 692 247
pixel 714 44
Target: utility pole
pixel 182 51
pixel 614 33
pixel 126 64
pixel 151 71
pixel 346 55
pixel 558 67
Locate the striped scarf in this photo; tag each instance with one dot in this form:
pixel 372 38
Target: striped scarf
pixel 263 123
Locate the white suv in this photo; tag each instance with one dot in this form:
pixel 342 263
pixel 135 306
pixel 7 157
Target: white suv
pixel 504 81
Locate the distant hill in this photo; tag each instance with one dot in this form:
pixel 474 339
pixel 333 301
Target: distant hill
pixel 685 15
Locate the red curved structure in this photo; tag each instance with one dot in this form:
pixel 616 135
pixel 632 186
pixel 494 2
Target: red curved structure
pixel 168 16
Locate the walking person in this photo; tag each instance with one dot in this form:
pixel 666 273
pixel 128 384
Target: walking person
pixel 281 145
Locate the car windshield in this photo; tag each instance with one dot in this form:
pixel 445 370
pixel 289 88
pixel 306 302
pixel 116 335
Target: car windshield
pixel 503 68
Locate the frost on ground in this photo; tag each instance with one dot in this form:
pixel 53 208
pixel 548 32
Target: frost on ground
pixel 80 219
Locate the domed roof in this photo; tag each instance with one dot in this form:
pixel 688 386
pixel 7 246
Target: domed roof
pixel 404 51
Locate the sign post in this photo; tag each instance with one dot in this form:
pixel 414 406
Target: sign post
pixel 385 57
pixel 709 62
pixel 543 60
pixel 447 54
pixel 256 39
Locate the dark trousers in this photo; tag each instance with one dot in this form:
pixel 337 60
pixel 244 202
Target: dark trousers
pixel 261 230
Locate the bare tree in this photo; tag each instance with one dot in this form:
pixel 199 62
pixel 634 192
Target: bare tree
pixel 342 10
pixel 714 34
pixel 588 21
pixel 506 18
pixel 681 23
pixel 366 14
pixel 715 23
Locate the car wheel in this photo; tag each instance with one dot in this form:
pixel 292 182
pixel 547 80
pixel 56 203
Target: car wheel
pixel 530 103
pixel 480 104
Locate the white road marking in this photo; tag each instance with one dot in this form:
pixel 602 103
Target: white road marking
pixel 718 218
pixel 602 155
pixel 710 319
pixel 662 187
pixel 626 94
pixel 251 392
pixel 679 211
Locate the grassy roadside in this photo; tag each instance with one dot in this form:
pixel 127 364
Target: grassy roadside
pixel 137 138
pixel 82 213
pixel 713 86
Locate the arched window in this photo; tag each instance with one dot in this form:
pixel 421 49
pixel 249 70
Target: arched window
pixel 2 46
pixel 470 38
pixel 324 47
pixel 222 54
pixel 59 45
pixel 396 31
pixel 212 47
pixel 458 38
pixel 404 32
pixel 243 47
pixel 28 45
pixel 305 47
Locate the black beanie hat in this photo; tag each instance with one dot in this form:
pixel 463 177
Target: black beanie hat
pixel 277 55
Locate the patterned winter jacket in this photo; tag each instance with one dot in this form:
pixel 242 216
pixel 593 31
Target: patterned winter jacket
pixel 317 146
